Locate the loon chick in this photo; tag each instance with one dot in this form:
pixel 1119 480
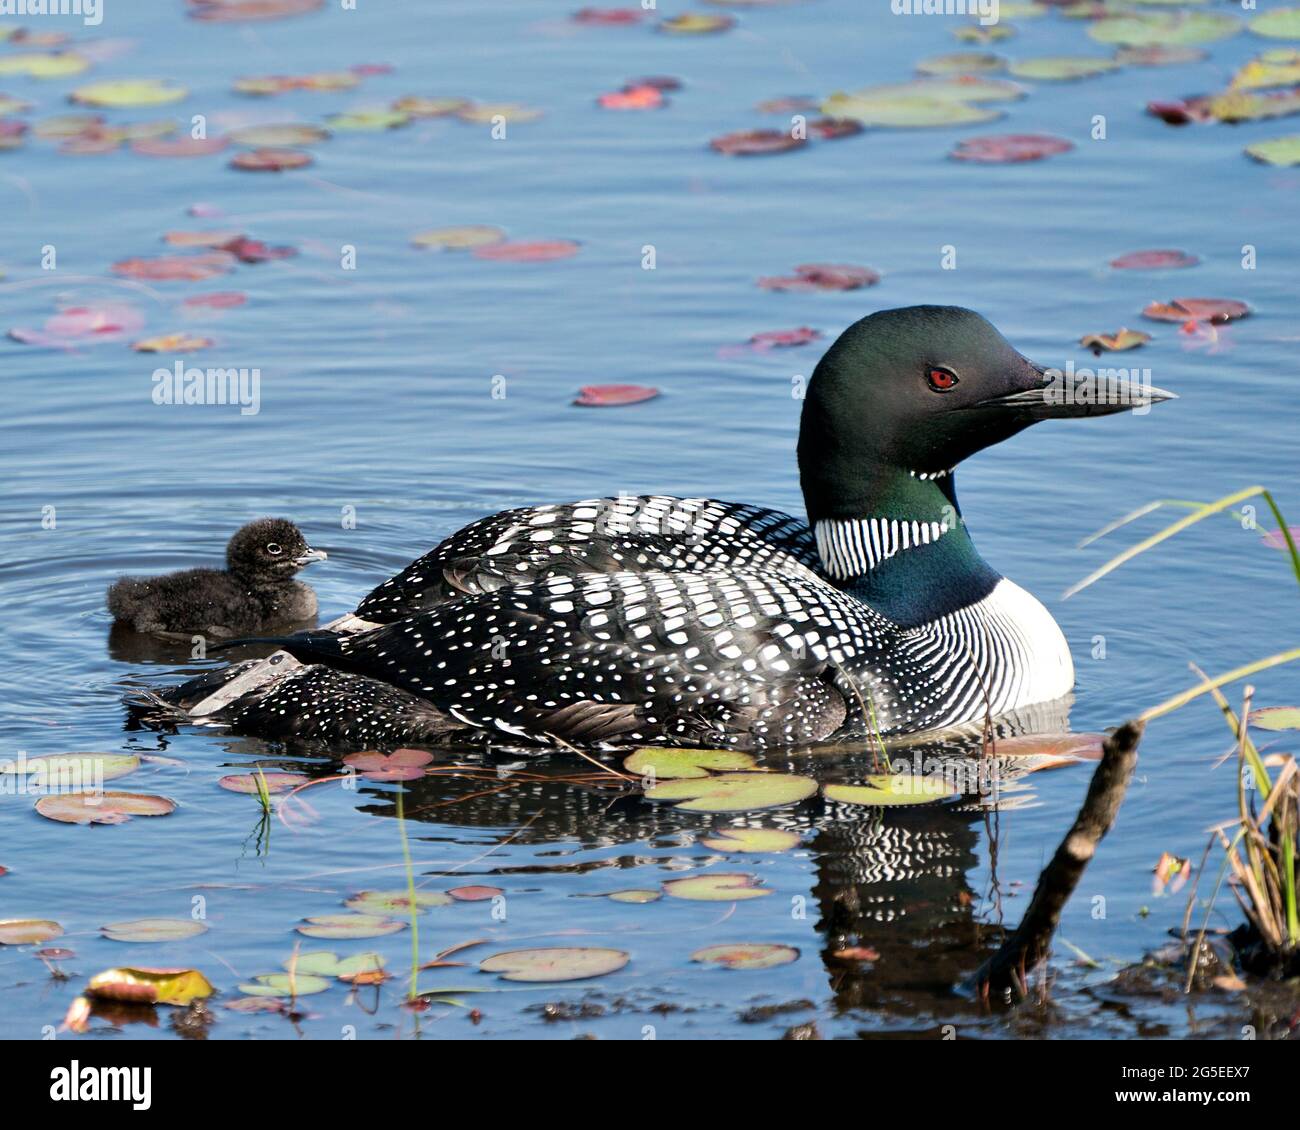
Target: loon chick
pixel 707 623
pixel 256 590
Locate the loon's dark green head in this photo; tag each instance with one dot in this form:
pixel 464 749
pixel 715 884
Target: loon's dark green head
pixel 917 390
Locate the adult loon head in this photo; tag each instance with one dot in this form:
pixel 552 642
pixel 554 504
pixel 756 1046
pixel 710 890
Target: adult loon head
pixel 895 404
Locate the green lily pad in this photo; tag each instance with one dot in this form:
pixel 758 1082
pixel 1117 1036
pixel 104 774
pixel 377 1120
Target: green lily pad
pixel 683 764
pixel 1055 68
pixel 883 790
pixel 385 903
pixel 27 931
pixel 751 839
pixel 322 963
pixel 716 887
pixel 975 33
pixel 289 133
pixel 343 926
pixel 461 238
pixel 734 792
pixel 906 113
pixel 635 895
pixel 128 92
pixel 1284 23
pixel 557 963
pixel 1283 151
pixel 962 63
pixel 284 985
pixel 154 930
pixel 68 770
pixel 746 955
pixel 1181 29
pixel 1276 718
pixel 364 120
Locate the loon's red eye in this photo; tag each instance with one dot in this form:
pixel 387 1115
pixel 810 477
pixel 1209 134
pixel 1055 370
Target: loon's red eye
pixel 941 380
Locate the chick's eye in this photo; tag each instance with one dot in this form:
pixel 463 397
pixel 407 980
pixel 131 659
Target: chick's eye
pixel 274 550
pixel 941 380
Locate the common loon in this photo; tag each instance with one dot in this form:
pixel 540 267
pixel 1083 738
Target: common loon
pixel 255 591
pixel 706 623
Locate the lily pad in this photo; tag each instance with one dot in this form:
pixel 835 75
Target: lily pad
pixel 1051 749
pixel 974 33
pixel 907 112
pixel 27 931
pixel 1213 310
pixel 682 764
pixel 102 808
pixel 461 238
pixel 322 963
pixel 557 963
pixel 172 343
pixel 365 121
pixel 484 113
pixel 823 276
pixel 58 64
pixel 141 985
pixel 735 792
pixel 417 107
pixel 1282 23
pixel 1276 718
pixel 883 791
pixel 176 268
pixel 1010 148
pixel 1062 68
pixel 396 902
pixel 251 782
pixel 527 250
pixel 716 887
pixel 475 892
pixel 154 930
pixel 345 926
pixel 1156 260
pixel 217 300
pixel 278 136
pixel 270 160
pixel 751 839
pixel 1140 29
pixel 1158 55
pixel 1117 342
pixel 747 955
pixel 613 396
pixel 962 63
pixel 633 98
pixel 284 985
pixel 118 93
pixel 696 23
pixel 1279 67
pixel 1282 151
pixel 635 895
pixel 756 142
pixel 179 146
pixel 400 765
pixel 70 770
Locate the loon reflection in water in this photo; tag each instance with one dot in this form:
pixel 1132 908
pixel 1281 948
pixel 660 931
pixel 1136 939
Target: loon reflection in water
pixel 692 621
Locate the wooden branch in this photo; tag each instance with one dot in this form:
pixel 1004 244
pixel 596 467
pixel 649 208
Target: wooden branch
pixel 1027 946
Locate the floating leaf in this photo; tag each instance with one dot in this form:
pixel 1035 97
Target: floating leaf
pixel 71 770
pixel 1158 260
pixel 1010 148
pixel 324 964
pixel 1212 310
pixel 1158 55
pixel 417 107
pixel 1119 341
pixel 751 839
pixel 175 268
pixel 1282 23
pixel 284 985
pixel 1140 29
pixel 345 926
pixel 1249 106
pixel 1060 68
pixel 367 121
pixel 974 33
pixel 400 765
pixel 67 125
pixel 635 895
pixel 1279 67
pixel 962 63
pixel 716 887
pixel 172 343
pixel 233 11
pixel 793 104
pixel 218 300
pixel 27 931
pixel 830 129
pixel 484 113
pixel 1276 718
pixel 102 808
pixel 746 955
pixel 118 93
pixel 154 930
pixel 633 98
pixel 924 102
pixel 179 146
pixel 557 963
pixel 270 160
pixel 459 238
pixel 823 276
pixel 475 893
pixel 683 764
pixel 35 65
pixel 81 325
pixel 612 396
pixel 607 17
pixel 395 902
pixel 278 136
pixel 783 339
pixel 1051 749
pixel 901 788
pixel 1282 151
pixel 694 23
pixel 756 142
pixel 252 783
pixel 141 985
pixel 735 792
pixel 527 251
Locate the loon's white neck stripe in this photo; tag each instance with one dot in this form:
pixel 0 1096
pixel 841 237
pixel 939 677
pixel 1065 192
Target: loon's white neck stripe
pixel 850 547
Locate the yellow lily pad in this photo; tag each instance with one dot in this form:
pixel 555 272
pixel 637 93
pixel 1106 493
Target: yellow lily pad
pixel 681 764
pixel 635 895
pixel 716 887
pixel 322 963
pixel 72 770
pixel 1279 67
pixel 883 791
pixel 128 92
pixel 751 839
pixel 1276 717
pixel 460 238
pixel 369 120
pixel 1282 23
pixel 962 63
pixel 484 112
pixel 285 133
pixel 1283 151
pixel 172 343
pixel 141 985
pixel 41 65
pixel 734 792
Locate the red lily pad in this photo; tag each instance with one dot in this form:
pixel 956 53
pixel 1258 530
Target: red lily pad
pixel 400 765
pixel 175 268
pixel 250 783
pixel 255 251
pixel 1010 148
pixel 527 250
pixel 102 808
pixel 1157 260
pixel 746 955
pixel 756 142
pixel 217 300
pixel 178 146
pixel 475 893
pixel 823 276
pixel 1216 311
pixel 270 160
pixel 234 11
pixel 633 98
pixel 791 104
pixel 782 339
pixel 607 17
pixel 832 129
pixel 611 396
pixel 1182 111
pixel 555 963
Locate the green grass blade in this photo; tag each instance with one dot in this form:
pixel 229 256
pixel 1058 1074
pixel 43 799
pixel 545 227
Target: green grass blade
pixel 1184 697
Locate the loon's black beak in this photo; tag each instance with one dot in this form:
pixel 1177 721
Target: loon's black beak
pixel 309 556
pixel 1055 394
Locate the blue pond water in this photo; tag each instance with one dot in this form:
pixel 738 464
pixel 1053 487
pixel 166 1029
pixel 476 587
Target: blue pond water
pixel 376 395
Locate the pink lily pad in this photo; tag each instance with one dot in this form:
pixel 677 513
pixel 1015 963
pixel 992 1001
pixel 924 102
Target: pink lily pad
pixel 79 325
pixel 610 396
pixel 746 955
pixel 527 250
pixel 1157 260
pixel 250 783
pixel 102 808
pixel 823 276
pixel 756 142
pixel 175 268
pixel 784 339
pixel 1010 148
pixel 178 146
pixel 1215 311
pixel 607 17
pixel 400 765
pixel 217 300
pixel 270 160
pixel 633 98
pixel 234 11
pixel 475 893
